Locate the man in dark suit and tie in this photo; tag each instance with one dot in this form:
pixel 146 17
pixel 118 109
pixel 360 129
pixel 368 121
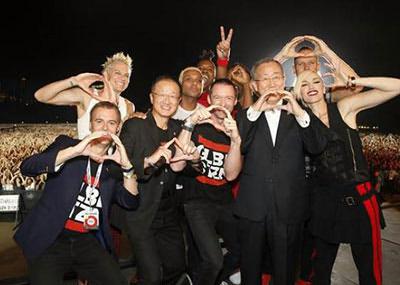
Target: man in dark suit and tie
pixel 273 199
pixel 69 227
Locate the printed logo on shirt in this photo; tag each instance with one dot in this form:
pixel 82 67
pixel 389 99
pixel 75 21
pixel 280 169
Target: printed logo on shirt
pixel 212 157
pixel 88 199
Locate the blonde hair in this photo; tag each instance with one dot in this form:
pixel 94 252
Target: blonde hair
pixel 121 57
pixel 305 74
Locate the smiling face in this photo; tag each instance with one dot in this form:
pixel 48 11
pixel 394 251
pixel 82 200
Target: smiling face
pixel 165 97
pixel 224 95
pixel 310 87
pixel 118 74
pixel 269 78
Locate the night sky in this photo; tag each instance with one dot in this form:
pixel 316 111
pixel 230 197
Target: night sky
pixel 45 41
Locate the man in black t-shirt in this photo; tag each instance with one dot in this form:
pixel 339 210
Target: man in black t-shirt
pixel 208 199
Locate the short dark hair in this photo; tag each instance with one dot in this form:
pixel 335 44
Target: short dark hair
pixel 224 81
pixel 207 54
pixel 105 105
pixel 262 61
pixel 166 78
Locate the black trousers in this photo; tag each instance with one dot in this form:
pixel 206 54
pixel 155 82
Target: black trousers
pixel 160 252
pixel 208 222
pixel 282 243
pixel 325 258
pixel 77 252
pixel 307 254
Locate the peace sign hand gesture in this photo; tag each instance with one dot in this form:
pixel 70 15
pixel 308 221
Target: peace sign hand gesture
pixel 224 46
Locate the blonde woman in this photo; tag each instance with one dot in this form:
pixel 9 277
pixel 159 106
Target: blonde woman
pixel 345 209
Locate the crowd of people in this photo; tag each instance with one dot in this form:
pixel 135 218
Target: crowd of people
pixel 278 172
pixel 381 150
pixel 20 141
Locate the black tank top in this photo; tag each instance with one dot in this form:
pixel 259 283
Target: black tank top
pixel 343 161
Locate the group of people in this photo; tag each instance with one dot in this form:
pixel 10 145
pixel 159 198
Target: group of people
pixel 222 153
pixel 19 142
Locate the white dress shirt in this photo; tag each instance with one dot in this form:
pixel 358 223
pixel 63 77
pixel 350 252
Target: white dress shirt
pixel 272 117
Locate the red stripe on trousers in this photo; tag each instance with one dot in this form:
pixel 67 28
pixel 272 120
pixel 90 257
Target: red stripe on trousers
pixel 371 206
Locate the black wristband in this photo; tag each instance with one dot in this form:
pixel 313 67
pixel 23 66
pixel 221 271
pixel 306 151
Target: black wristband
pixel 187 128
pixel 127 170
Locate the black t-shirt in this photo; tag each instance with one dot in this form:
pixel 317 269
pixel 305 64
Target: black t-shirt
pixel 210 185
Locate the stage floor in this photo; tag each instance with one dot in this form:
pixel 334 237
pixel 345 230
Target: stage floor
pixel 13 265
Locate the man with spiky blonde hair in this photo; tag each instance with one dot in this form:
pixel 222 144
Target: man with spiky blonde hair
pixel 86 89
pixel 121 57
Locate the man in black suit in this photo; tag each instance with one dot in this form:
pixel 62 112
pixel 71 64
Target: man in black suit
pixel 273 198
pixel 69 226
pixel 154 230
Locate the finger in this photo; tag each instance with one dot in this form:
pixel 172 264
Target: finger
pixel 116 139
pixel 284 108
pixel 222 32
pixel 222 51
pixel 328 74
pixel 179 144
pixel 229 38
pixel 95 135
pixel 168 144
pixel 177 158
pixel 213 107
pixel 167 154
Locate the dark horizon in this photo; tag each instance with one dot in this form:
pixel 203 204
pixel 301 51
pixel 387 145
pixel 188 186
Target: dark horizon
pixel 52 40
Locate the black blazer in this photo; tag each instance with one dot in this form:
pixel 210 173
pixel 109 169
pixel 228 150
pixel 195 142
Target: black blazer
pixel 273 177
pixel 141 138
pixel 46 220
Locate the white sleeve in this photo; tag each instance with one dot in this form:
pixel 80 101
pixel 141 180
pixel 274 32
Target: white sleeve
pixel 253 115
pixel 304 120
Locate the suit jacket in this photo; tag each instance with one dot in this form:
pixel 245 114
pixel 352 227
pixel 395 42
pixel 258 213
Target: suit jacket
pixel 273 177
pixel 141 138
pixel 46 220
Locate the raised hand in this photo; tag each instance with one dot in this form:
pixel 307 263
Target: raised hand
pixel 189 152
pixel 85 146
pixel 162 151
pixel 231 129
pixel 224 46
pixel 320 47
pixel 240 75
pixel 262 104
pixel 84 80
pixel 289 50
pixel 119 156
pixel 107 93
pixel 200 115
pixel 292 106
pixel 339 77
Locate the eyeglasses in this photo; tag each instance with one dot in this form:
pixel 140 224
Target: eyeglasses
pixel 273 79
pixel 173 98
